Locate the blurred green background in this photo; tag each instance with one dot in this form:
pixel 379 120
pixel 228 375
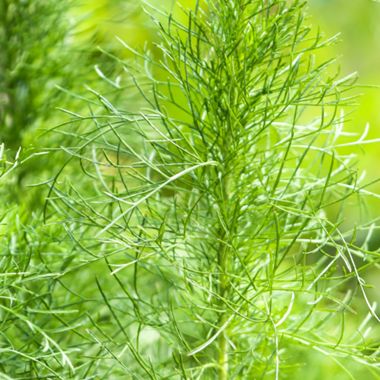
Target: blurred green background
pixel 358 22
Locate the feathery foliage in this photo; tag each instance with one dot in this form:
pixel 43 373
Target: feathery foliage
pixel 209 238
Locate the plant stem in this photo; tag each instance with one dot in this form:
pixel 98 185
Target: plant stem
pixel 223 357
pixel 223 263
pixel 223 344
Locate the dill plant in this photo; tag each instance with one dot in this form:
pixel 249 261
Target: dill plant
pixel 210 231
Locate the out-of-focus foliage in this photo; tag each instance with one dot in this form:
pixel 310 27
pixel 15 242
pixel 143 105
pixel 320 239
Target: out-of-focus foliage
pixel 358 22
pixel 34 57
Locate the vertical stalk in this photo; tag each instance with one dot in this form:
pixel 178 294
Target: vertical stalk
pixel 223 357
pixel 223 264
pixel 223 344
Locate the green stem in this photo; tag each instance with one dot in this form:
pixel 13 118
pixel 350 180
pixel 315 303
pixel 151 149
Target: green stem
pixel 226 234
pixel 223 359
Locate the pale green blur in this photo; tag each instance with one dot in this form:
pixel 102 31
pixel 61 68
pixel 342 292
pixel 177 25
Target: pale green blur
pixel 358 22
